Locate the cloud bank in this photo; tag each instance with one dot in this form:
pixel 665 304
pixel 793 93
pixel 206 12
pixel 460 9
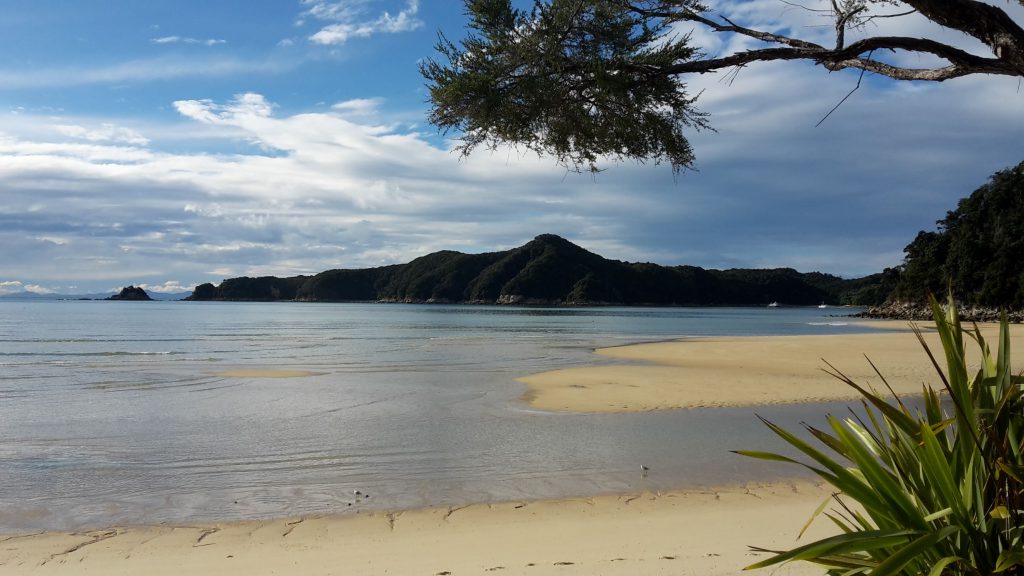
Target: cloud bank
pixel 242 185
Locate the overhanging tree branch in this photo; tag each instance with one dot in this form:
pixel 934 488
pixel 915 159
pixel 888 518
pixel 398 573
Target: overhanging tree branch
pixel 961 63
pixel 584 79
pixel 987 23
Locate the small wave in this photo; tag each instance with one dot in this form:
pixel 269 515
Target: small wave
pixel 86 354
pixel 88 340
pixel 828 323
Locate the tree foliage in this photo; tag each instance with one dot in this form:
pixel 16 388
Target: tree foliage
pixel 575 79
pixel 978 247
pixel 582 79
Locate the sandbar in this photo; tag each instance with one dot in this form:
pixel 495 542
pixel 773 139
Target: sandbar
pixel 748 371
pixel 704 532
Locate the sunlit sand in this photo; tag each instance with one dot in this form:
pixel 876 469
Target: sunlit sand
pixel 744 371
pixel 695 532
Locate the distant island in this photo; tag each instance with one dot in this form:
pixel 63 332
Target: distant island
pixel 131 293
pixel 550 270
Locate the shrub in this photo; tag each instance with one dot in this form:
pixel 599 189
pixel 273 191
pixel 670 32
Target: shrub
pixel 936 490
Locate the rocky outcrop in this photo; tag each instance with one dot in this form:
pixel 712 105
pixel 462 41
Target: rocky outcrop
pixel 131 293
pixel 923 313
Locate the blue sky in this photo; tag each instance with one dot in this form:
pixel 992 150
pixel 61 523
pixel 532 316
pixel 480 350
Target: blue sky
pixel 170 143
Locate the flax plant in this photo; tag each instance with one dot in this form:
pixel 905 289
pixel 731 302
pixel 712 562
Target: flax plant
pixel 932 491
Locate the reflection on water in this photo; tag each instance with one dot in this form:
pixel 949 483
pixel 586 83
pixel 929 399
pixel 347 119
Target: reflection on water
pixel 129 413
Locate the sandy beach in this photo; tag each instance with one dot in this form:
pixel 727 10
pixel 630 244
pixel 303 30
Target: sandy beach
pixel 696 531
pixel 746 371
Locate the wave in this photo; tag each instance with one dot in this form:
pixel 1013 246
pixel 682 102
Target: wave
pixel 86 354
pixel 87 340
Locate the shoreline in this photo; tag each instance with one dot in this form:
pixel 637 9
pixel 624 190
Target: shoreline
pixel 698 530
pixel 704 531
pixel 735 371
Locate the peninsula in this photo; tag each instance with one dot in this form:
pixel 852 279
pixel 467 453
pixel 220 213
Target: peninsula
pixel 550 270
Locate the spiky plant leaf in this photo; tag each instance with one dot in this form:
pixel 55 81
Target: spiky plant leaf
pixel 938 492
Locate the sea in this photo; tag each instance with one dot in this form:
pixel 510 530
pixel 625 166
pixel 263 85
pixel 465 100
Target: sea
pixel 121 413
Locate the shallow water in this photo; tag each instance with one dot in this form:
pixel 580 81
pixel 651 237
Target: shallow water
pixel 118 412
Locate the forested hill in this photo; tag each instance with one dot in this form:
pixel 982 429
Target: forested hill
pixel 978 249
pixel 550 270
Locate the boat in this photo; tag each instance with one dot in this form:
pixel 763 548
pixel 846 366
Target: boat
pixel 773 305
pixel 822 305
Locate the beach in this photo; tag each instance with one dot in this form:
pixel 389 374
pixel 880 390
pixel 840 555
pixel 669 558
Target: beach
pixel 748 371
pixel 694 532
pixel 703 531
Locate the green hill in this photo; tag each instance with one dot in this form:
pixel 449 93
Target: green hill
pixel 978 248
pixel 548 270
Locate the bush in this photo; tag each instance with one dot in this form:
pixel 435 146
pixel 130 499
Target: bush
pixel 938 492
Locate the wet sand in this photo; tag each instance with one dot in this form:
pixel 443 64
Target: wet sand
pixel 693 532
pixel 746 371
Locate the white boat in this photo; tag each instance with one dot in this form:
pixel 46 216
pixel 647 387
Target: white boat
pixel 822 305
pixel 773 305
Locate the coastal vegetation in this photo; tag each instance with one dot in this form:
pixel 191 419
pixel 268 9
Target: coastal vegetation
pixel 546 270
pixel 978 247
pixel 932 490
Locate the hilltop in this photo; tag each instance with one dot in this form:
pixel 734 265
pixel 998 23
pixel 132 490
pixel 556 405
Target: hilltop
pixel 548 270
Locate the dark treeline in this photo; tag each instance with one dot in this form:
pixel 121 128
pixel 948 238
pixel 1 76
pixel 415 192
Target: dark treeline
pixel 978 248
pixel 550 270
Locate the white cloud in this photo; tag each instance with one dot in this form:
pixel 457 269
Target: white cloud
pixel 208 112
pixel 56 241
pixel 168 287
pixel 350 20
pixel 339 10
pixel 144 70
pixel 188 40
pixel 358 107
pixel 105 132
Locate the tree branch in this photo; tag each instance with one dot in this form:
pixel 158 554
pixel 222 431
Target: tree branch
pixel 984 22
pixel 962 63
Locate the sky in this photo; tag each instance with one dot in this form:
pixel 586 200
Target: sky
pixel 169 143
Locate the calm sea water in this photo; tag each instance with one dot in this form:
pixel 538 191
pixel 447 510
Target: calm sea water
pixel 113 413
